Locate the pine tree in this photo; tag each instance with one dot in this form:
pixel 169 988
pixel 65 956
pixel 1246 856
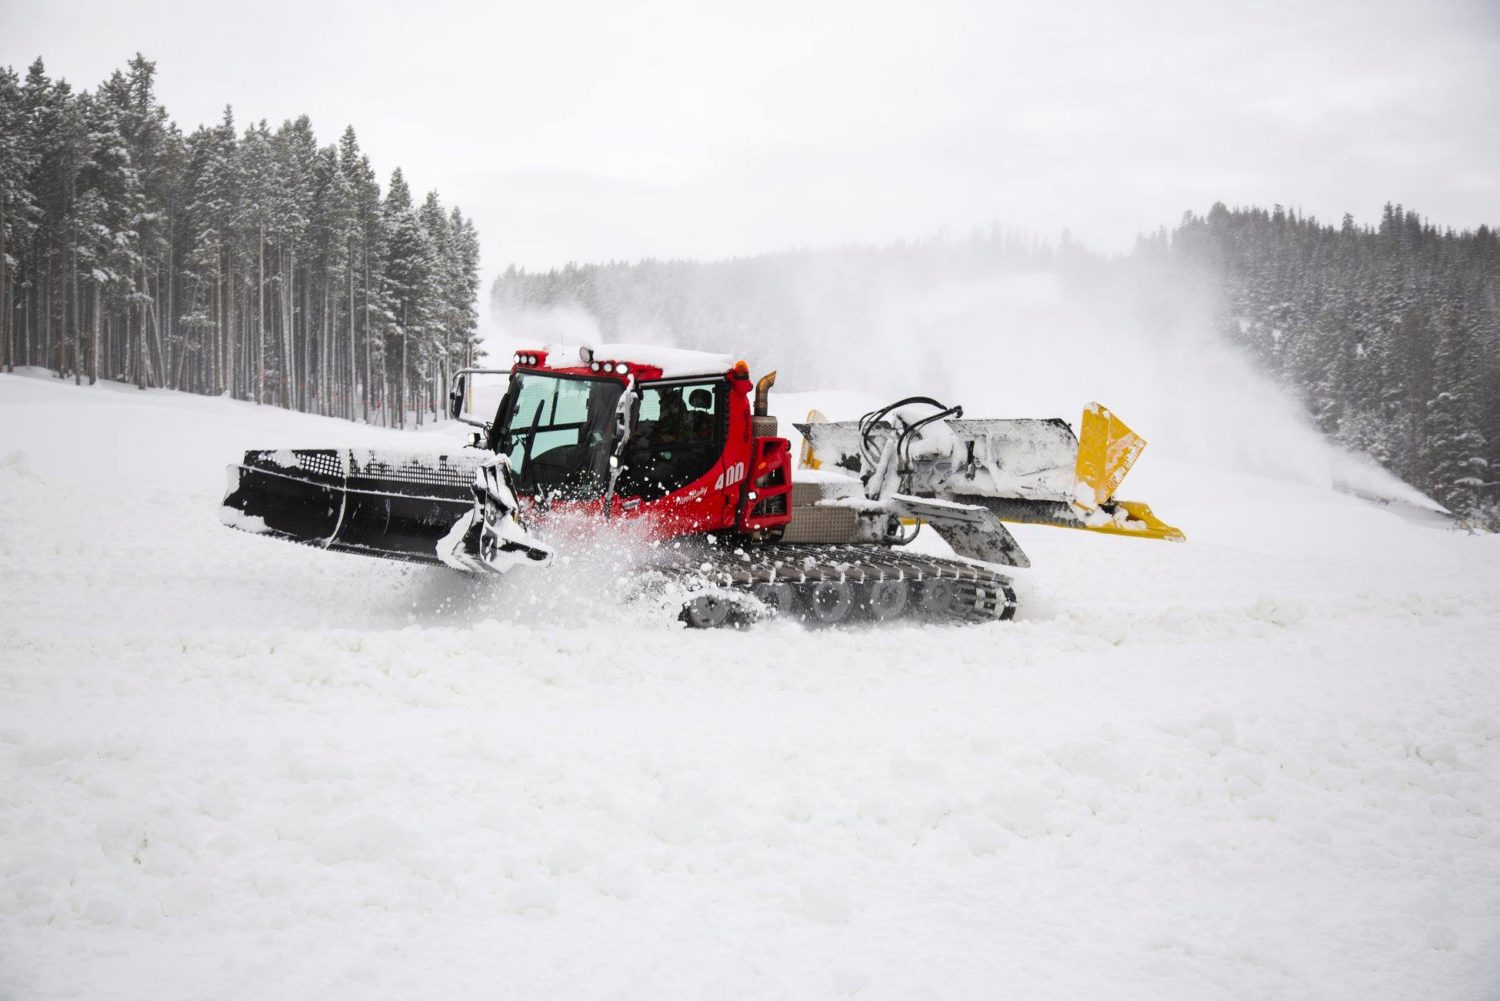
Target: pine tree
pixel 45 104
pixel 408 274
pixel 18 208
pixel 329 228
pixel 441 335
pixel 1454 443
pixel 464 293
pixel 259 195
pixel 295 150
pixel 143 130
pixel 366 257
pixel 211 209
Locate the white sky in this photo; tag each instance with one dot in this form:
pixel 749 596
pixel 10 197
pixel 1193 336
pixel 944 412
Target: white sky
pixel 600 130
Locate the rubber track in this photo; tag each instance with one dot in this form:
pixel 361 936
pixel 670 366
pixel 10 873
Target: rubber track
pixel 984 596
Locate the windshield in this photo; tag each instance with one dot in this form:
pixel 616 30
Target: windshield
pixel 558 433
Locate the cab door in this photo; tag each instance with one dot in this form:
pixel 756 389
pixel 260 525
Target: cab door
pixel 673 464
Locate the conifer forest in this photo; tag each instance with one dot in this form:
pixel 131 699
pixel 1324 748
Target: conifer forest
pixel 1388 333
pixel 254 262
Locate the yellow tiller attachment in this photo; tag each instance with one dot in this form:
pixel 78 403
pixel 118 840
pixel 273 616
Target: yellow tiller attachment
pixel 1107 448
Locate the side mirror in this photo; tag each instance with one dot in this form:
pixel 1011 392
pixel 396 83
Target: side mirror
pixel 456 397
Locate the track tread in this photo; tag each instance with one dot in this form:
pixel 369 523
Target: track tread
pixel 984 596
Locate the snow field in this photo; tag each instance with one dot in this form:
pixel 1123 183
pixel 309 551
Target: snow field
pixel 1263 764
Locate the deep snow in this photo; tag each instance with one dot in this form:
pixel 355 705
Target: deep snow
pixel 1262 764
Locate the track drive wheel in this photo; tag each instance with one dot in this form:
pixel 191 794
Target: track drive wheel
pixel 781 599
pixel 938 597
pixel 887 599
pixel 829 602
pixel 707 611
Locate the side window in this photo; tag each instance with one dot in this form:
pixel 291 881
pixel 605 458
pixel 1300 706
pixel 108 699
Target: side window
pixel 679 436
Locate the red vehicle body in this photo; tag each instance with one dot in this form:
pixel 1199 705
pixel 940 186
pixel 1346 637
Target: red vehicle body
pixel 744 490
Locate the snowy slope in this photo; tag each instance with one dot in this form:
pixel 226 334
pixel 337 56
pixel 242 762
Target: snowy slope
pixel 1262 764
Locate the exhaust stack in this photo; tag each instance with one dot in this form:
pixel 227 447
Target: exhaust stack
pixel 763 392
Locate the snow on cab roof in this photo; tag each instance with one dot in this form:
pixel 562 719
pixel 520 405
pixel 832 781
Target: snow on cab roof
pixel 673 362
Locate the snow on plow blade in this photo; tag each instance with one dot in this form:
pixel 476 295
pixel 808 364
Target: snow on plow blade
pixel 396 505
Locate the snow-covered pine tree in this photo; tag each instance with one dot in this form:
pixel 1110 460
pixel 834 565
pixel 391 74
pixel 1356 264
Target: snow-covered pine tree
pixel 441 309
pixel 367 255
pixel 408 274
pixel 211 211
pixel 17 204
pixel 465 293
pixel 257 171
pixel 45 104
pixel 328 227
pixel 294 150
pixel 1455 445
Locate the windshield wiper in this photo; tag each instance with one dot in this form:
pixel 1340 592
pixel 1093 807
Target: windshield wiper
pixel 536 420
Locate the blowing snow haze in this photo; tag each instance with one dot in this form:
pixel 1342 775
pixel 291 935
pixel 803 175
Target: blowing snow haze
pixel 575 131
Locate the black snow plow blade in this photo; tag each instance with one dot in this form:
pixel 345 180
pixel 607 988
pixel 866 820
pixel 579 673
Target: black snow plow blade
pixel 397 505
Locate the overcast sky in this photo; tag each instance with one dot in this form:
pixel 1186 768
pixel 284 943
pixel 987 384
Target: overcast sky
pixel 574 131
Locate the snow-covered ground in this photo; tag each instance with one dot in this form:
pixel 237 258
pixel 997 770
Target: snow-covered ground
pixel 1264 764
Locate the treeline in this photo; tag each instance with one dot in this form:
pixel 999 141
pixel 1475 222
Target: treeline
pixel 1390 333
pixel 260 263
